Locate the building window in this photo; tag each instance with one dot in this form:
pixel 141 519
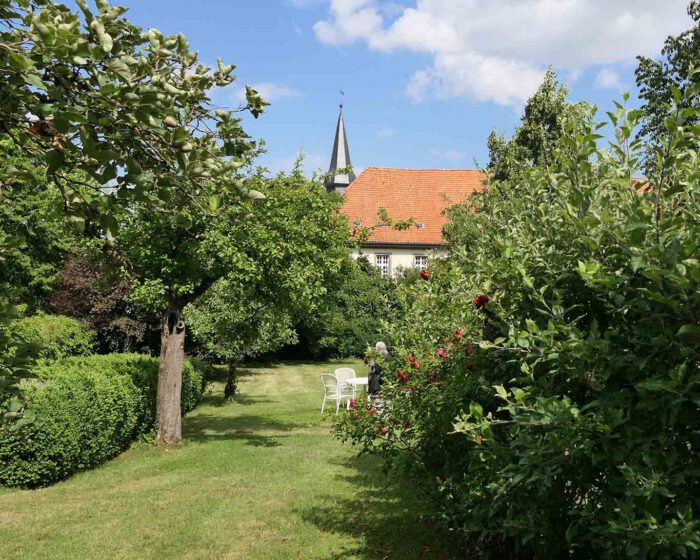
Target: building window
pixel 383 264
pixel 420 262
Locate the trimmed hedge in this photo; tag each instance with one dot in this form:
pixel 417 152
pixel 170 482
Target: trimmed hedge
pixel 89 409
pixel 56 336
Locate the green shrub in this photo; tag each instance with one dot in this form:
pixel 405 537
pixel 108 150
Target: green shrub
pixel 89 409
pixel 558 417
pixel 56 336
pixel 350 315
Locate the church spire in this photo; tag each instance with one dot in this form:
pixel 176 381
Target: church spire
pixel 339 178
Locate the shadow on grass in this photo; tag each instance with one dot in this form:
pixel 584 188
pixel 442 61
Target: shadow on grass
pixel 251 429
pixel 385 514
pixel 247 400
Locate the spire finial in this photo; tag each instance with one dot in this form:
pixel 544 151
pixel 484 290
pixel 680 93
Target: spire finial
pixel 342 98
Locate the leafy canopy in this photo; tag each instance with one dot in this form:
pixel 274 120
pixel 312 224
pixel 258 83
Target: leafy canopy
pixel 542 125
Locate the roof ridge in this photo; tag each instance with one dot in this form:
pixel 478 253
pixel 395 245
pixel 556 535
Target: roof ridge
pixel 420 169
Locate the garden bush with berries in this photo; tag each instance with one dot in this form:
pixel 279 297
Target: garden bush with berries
pixel 543 385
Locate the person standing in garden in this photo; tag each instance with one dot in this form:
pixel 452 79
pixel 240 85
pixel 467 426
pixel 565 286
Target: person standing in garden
pixel 375 370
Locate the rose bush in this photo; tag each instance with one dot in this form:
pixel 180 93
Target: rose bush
pixel 545 382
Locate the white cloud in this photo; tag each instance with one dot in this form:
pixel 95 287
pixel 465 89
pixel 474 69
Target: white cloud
pixel 449 155
pixel 269 91
pixel 498 51
pixel 608 79
pixel 386 132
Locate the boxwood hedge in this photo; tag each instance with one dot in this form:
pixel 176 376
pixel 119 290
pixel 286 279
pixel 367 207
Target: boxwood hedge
pixel 56 336
pixel 89 409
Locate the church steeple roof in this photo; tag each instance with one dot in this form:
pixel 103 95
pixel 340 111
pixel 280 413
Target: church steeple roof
pixel 338 179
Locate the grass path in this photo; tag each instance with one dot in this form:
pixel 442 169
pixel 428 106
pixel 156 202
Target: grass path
pixel 261 478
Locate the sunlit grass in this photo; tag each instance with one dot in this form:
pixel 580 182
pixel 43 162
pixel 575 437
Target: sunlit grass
pixel 259 478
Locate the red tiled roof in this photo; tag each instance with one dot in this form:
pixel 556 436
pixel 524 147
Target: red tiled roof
pixel 421 194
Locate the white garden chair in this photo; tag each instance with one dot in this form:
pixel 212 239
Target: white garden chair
pixel 343 374
pixel 333 390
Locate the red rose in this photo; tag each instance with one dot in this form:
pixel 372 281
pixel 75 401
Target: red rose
pixel 406 424
pixel 469 350
pixel 470 366
pixel 402 376
pixel 383 430
pixel 458 334
pixel 408 389
pixel 353 402
pixel 413 362
pixel 481 301
pixel 372 411
pixel 441 352
pixel 424 274
pixel 434 379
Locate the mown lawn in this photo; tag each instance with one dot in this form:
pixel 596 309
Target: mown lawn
pixel 261 478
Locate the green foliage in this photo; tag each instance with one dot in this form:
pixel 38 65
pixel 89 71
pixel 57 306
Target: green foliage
pixel 232 326
pixel 89 409
pixel 534 141
pixel 660 81
pixel 32 212
pixel 559 415
pixel 282 254
pixel 55 336
pixel 351 314
pixel 90 95
pixel 16 354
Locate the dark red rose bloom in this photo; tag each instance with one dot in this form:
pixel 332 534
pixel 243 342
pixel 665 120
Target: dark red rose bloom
pixel 469 350
pixel 353 402
pixel 434 379
pixel 413 362
pixel 424 274
pixel 372 411
pixel 481 301
pixel 406 424
pixel 402 376
pixel 441 352
pixel 470 366
pixel 383 430
pixel 458 334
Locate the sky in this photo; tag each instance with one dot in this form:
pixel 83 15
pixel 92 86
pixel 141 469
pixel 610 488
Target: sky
pixel 425 81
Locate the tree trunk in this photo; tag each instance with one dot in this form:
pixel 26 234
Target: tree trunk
pixel 172 356
pixel 230 389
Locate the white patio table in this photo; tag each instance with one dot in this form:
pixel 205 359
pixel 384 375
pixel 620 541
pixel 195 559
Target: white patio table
pixel 358 381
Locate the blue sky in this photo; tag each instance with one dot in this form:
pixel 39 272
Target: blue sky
pixel 425 81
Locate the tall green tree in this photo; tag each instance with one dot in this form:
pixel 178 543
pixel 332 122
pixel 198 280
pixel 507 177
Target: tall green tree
pixel 122 118
pixel 232 325
pixel 283 255
pixel 658 79
pixel 542 125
